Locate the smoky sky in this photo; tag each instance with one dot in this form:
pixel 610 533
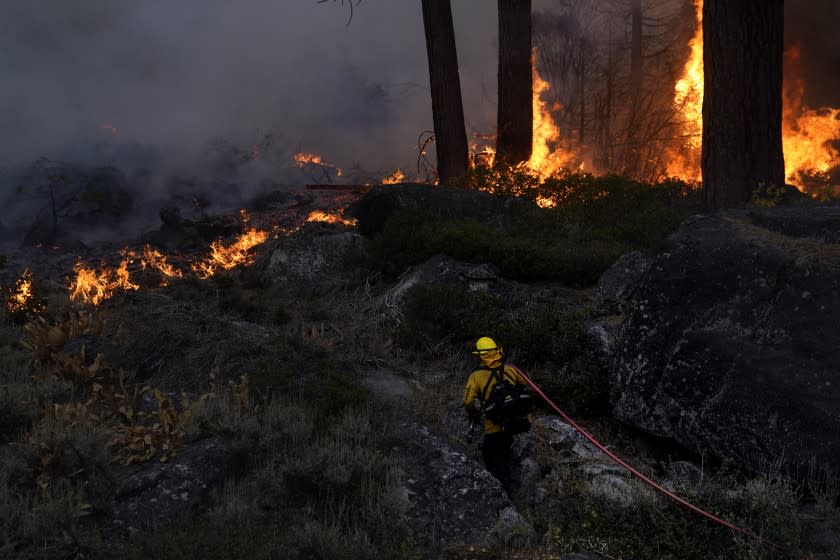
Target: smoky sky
pixel 812 26
pixel 174 74
pixel 171 75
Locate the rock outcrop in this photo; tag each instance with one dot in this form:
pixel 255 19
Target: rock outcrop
pixel 315 255
pixel 730 342
pixel 160 492
pixel 452 499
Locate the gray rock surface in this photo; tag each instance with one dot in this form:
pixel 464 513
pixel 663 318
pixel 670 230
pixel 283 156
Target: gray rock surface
pixel 310 257
pixel 484 278
pixel 616 284
pixel 160 492
pixel 451 498
pixel 730 341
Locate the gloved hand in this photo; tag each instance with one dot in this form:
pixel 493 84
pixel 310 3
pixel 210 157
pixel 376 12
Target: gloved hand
pixel 470 433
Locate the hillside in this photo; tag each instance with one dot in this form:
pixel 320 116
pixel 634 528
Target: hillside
pixel 305 402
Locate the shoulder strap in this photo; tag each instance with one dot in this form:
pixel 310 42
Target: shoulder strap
pixel 494 374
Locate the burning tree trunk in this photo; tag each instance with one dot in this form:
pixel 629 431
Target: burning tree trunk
pixel 447 108
pixel 742 105
pixel 514 124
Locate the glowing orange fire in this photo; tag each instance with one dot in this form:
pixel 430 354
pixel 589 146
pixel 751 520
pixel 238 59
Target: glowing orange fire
pixel 91 286
pixel 394 178
pixel 153 259
pixel 302 159
pixel 321 216
pixel 547 157
pixel 225 258
pixel 684 159
pixel 22 297
pixel 807 134
pixel 544 160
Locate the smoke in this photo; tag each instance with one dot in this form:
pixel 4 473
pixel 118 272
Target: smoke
pixel 172 87
pixel 187 88
pixel 80 79
pixel 812 25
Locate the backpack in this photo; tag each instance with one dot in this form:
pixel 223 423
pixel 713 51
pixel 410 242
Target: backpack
pixel 508 404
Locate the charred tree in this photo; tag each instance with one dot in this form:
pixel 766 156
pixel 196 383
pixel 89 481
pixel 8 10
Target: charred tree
pixel 445 85
pixel 742 104
pixel 515 116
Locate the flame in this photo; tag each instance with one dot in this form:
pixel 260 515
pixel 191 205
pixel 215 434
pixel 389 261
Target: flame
pixel 94 287
pixel 152 258
pixel 321 216
pixel 547 158
pixel 807 134
pixel 394 178
pixel 302 159
pixel 235 254
pixel 684 160
pixel 544 161
pixel 545 202
pixel 21 297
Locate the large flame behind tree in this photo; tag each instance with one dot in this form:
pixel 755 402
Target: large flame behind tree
pixel 808 135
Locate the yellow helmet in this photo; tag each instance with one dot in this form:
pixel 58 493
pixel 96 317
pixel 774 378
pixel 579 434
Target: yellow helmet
pixel 484 344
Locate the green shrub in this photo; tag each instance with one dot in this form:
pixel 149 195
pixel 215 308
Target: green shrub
pixel 16 389
pixel 301 368
pixel 325 493
pixel 653 526
pixel 595 220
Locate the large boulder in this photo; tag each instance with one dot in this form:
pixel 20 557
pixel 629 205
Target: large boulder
pixel 730 342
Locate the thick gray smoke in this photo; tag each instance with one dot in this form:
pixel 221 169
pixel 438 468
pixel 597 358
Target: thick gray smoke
pixel 174 87
pixel 172 76
pixel 191 88
pixel 812 25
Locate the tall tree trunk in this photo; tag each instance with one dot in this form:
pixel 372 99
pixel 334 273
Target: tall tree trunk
pixel 514 124
pixel 742 104
pixel 445 85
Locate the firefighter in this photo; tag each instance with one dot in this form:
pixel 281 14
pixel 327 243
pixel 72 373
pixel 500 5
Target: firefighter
pixel 497 444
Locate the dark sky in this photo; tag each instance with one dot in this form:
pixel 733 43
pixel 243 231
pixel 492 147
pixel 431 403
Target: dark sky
pixel 173 74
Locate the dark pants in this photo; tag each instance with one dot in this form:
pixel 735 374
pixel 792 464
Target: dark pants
pixel 496 451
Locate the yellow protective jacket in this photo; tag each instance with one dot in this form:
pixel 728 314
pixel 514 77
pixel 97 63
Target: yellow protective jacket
pixel 479 385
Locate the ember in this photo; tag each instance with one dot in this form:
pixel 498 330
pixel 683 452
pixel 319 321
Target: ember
pixel 22 297
pixel 394 178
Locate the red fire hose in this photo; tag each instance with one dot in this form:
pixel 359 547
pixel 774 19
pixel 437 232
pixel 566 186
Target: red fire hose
pixel 639 475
